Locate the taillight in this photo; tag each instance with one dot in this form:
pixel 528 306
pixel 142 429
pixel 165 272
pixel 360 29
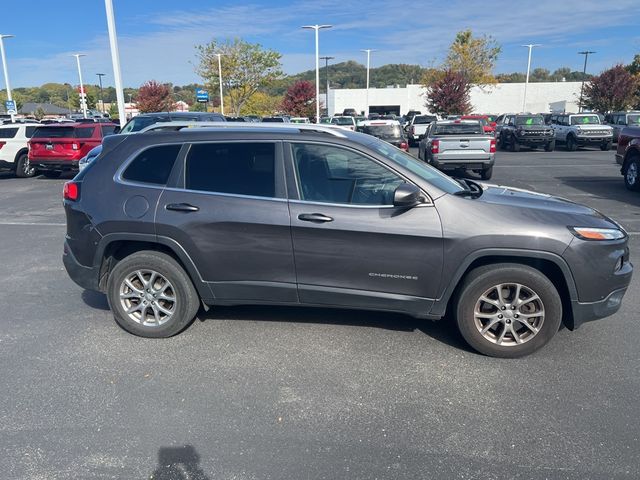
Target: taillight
pixel 71 191
pixel 2 144
pixel 404 146
pixel 492 146
pixel 435 146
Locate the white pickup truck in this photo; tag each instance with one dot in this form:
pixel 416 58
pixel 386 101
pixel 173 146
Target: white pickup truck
pixel 459 145
pixel 417 128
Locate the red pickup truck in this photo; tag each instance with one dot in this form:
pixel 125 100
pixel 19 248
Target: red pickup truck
pixel 628 156
pixel 54 149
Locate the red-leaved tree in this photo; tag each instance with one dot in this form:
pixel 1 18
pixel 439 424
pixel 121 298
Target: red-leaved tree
pixel 154 97
pixel 613 90
pixel 449 94
pixel 300 99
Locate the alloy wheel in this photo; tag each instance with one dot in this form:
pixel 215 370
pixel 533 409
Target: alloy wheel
pixel 148 298
pixel 632 173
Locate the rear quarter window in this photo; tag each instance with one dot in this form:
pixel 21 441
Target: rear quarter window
pixel 28 132
pixel 84 132
pixel 152 165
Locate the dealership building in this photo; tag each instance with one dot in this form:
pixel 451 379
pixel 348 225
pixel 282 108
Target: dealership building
pixel 542 97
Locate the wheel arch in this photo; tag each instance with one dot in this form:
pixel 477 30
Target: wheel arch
pixel 20 152
pixel 549 264
pixel 631 153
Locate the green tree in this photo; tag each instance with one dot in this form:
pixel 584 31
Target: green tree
pixel 474 57
pixel 540 75
pixel 246 67
pixel 39 113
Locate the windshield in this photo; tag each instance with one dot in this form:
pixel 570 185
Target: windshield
pixel 585 120
pixel 383 131
pixel 422 119
pixel 457 129
pixel 424 171
pixel 633 119
pixel 526 120
pixel 342 120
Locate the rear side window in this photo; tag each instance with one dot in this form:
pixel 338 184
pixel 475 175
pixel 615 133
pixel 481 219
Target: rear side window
pixel 84 132
pixel 236 168
pixel 152 165
pixel 8 132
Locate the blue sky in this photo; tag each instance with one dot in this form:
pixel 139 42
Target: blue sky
pixel 157 37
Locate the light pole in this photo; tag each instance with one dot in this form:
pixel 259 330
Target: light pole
pixel 6 72
pixel 100 75
pixel 368 50
pixel 115 60
pixel 526 83
pixel 219 55
pixel 317 28
pixel 586 54
pixel 326 74
pixel 83 98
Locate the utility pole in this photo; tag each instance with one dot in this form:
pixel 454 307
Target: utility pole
pixel 317 28
pixel 100 75
pixel 326 74
pixel 220 78
pixel 115 60
pixel 368 50
pixel 6 72
pixel 526 83
pixel 83 96
pixel 586 54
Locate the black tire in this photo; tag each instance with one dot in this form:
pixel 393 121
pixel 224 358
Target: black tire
pixel 572 144
pixel 632 174
pixel 481 280
pixel 499 143
pixel 515 146
pixel 186 303
pixel 52 174
pixel 606 146
pixel 550 146
pixel 23 168
pixel 486 173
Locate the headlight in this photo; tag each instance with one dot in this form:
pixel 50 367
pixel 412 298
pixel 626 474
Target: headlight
pixel 588 233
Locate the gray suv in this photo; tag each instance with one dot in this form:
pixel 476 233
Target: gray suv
pixel 163 222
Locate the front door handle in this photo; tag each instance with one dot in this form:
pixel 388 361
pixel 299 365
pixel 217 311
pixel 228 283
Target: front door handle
pixel 181 207
pixel 314 217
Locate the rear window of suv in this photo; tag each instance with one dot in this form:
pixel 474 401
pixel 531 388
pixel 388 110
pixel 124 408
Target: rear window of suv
pixel 153 165
pixel 53 132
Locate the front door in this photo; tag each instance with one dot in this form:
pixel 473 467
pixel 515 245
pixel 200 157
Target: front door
pixel 351 246
pixel 231 217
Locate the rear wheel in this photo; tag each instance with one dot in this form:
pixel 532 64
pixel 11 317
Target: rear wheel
pixel 151 295
pixel 507 310
pixel 23 167
pixel 486 173
pixel 632 174
pixel 52 174
pixel 550 146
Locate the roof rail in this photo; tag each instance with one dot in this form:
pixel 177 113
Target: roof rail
pixel 177 125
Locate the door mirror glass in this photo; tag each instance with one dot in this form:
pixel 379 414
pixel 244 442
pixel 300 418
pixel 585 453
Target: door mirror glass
pixel 406 195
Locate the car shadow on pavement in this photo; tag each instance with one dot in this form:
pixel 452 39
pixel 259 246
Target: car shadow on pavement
pixel 611 188
pixel 443 330
pixel 178 463
pixel 95 300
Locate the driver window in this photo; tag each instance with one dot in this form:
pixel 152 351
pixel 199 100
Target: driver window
pixel 330 174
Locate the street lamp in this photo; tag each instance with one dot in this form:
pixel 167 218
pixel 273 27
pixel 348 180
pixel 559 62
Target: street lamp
pixel 219 55
pixel 100 75
pixel 317 28
pixel 526 83
pixel 586 54
pixel 326 74
pixel 115 60
pixel 83 98
pixel 368 50
pixel 6 72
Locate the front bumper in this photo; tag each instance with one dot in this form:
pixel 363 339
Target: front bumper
pixel 587 312
pixel 593 140
pixel 55 165
pixel 86 277
pixel 537 140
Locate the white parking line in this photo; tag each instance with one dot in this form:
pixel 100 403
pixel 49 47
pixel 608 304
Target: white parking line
pixel 544 165
pixel 31 224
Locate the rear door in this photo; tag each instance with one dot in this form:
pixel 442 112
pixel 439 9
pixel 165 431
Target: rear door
pixel 10 143
pixel 229 213
pixel 352 247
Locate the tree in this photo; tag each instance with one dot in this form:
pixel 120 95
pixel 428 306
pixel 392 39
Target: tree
pixel 474 57
pixel 39 113
pixel 634 67
pixel 540 75
pixel 154 97
pixel 300 99
pixel 613 90
pixel 449 94
pixel 246 67
pixel 75 99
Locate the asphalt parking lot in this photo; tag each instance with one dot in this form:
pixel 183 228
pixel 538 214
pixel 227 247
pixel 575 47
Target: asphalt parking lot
pixel 273 393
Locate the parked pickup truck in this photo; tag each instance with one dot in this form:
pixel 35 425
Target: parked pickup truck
pixel 459 145
pixel 417 128
pixel 628 156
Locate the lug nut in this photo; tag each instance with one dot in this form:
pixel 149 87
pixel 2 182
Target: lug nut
pixel 500 316
pixel 503 307
pixel 516 315
pixel 513 307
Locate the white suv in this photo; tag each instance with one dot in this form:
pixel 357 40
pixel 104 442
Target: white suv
pixel 13 148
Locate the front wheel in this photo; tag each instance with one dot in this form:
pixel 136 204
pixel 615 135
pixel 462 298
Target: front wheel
pixel 23 168
pixel 507 310
pixel 632 175
pixel 572 144
pixel 515 146
pixel 550 146
pixel 605 146
pixel 151 295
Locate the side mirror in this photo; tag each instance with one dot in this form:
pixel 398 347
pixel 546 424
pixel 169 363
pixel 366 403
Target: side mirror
pixel 406 195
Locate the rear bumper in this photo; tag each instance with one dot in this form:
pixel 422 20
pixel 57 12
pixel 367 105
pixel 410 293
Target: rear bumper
pixel 86 277
pixel 57 165
pixel 485 161
pixel 587 312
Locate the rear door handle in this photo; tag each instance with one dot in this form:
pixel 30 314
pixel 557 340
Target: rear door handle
pixel 182 207
pixel 314 217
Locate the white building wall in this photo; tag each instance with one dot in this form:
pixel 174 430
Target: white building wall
pixel 500 98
